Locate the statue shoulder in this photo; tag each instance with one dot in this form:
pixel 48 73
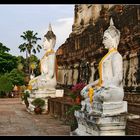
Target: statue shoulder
pixel 117 59
pixel 117 55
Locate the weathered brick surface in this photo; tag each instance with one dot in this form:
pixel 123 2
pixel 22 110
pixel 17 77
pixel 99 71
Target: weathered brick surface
pixel 16 121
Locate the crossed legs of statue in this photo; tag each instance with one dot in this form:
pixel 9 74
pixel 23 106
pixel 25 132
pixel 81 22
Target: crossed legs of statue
pixel 102 97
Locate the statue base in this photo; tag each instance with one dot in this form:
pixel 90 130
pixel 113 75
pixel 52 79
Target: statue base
pixel 108 108
pixel 108 118
pixel 92 125
pixel 45 95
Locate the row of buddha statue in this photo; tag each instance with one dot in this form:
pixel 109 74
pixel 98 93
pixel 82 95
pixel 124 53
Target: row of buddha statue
pixel 107 89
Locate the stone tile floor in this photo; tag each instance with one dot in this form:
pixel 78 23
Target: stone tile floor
pixel 16 121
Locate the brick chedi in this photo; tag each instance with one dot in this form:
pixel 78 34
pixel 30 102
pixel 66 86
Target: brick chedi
pixel 79 56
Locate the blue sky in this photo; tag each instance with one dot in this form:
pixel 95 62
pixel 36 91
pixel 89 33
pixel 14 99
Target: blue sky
pixel 16 19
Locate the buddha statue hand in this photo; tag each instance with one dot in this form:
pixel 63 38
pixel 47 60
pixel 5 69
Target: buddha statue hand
pixel 83 91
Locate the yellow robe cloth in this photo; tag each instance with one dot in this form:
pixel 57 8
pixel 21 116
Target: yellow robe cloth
pixel 91 90
pixel 101 67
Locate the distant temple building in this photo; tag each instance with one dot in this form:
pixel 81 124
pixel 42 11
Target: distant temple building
pixel 79 56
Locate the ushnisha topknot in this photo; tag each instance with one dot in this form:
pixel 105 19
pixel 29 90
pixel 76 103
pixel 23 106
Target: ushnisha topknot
pixel 50 35
pixel 111 22
pixel 113 31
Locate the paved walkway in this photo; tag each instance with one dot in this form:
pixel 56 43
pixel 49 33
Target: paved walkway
pixel 16 121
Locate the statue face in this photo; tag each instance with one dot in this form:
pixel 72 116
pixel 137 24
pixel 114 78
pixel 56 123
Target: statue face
pixel 48 44
pixel 108 41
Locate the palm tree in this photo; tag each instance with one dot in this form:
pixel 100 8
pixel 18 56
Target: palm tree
pixel 29 45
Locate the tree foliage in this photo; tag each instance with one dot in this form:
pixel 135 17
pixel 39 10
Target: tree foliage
pixel 36 61
pixel 16 77
pixel 29 46
pixel 9 74
pixel 30 43
pixel 7 62
pixel 5 84
pixel 3 48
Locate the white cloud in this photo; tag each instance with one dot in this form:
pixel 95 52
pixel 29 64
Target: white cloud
pixel 65 19
pixel 62 29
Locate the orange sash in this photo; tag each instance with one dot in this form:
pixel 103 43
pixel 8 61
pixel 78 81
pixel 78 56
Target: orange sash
pixel 101 67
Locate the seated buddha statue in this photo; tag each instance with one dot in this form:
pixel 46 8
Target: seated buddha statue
pixel 47 79
pixel 105 95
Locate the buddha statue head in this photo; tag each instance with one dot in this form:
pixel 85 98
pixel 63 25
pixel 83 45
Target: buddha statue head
pixel 49 39
pixel 111 36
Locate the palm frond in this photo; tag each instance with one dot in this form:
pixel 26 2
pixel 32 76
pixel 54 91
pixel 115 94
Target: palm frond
pixel 38 46
pixel 34 51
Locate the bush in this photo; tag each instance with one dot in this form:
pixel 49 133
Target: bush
pixel 38 102
pixel 71 118
pixel 2 94
pixel 76 89
pixel 5 84
pixel 72 109
pixel 25 96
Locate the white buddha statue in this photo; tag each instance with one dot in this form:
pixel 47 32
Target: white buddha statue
pixel 47 79
pixel 105 95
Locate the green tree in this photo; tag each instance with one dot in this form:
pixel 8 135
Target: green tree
pixel 7 62
pixel 30 45
pixel 34 62
pixel 21 59
pixel 3 48
pixel 16 77
pixel 5 85
pixel 21 63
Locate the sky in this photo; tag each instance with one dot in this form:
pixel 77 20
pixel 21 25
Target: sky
pixel 16 19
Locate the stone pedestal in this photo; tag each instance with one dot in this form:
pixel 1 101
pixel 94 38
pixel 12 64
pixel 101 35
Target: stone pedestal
pixel 109 108
pixel 92 125
pixel 45 95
